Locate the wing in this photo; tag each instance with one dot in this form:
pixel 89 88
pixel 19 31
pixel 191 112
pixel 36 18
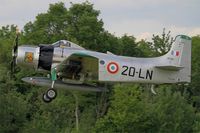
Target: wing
pixel 46 82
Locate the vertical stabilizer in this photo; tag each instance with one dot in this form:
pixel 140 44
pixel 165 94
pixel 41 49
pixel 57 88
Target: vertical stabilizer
pixel 179 57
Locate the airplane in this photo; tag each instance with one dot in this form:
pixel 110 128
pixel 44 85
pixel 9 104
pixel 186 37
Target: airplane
pixel 71 66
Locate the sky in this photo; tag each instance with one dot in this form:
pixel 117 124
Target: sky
pixel 140 18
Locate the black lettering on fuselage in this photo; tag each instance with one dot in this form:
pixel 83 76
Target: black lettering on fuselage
pixel 149 74
pixel 140 74
pixel 131 71
pixel 124 71
pixel 137 73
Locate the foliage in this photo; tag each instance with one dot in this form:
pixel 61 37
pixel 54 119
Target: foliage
pixel 7 35
pixel 195 85
pixel 161 45
pixel 129 46
pixel 127 112
pixel 13 113
pixel 48 27
pixel 130 111
pixel 173 112
pixel 84 25
pixel 145 48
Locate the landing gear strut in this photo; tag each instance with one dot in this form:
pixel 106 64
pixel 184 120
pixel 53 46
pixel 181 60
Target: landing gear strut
pixel 152 89
pixel 51 93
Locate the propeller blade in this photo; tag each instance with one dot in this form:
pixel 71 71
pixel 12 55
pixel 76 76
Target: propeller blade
pixel 15 52
pixel 15 47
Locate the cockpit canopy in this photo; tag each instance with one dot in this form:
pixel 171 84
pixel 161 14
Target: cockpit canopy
pixel 66 44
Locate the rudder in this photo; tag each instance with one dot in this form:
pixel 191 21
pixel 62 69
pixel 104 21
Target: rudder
pixel 180 57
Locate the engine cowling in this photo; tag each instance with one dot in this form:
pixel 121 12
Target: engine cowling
pixel 28 56
pixel 35 57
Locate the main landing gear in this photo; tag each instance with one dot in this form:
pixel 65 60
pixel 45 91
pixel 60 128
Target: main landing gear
pixel 51 93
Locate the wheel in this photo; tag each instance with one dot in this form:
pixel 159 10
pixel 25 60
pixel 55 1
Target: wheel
pixel 51 93
pixel 45 98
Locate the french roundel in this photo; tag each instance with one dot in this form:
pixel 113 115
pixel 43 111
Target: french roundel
pixel 112 67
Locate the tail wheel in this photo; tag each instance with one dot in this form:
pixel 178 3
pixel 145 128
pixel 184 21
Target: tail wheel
pixel 51 93
pixel 45 98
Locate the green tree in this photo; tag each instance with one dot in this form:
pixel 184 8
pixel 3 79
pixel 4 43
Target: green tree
pixel 13 111
pixel 127 113
pixel 57 116
pixel 161 45
pixel 195 84
pixel 132 111
pixel 129 46
pixel 84 25
pixel 7 35
pixel 108 42
pixel 48 27
pixel 173 113
pixel 144 46
pixel 79 24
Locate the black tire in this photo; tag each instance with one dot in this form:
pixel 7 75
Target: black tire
pixel 51 93
pixel 45 98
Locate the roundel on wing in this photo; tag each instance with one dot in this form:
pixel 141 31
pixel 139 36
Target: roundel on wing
pixel 112 67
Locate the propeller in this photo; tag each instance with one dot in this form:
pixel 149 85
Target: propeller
pixel 14 53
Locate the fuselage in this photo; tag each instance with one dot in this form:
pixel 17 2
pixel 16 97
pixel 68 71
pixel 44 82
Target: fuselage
pixel 104 67
pixel 74 63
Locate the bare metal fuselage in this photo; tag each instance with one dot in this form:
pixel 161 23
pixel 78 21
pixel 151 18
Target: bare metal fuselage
pixel 76 63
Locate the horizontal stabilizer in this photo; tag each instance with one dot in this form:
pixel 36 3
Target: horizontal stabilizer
pixel 170 67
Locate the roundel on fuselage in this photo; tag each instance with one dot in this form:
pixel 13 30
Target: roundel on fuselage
pixel 112 67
